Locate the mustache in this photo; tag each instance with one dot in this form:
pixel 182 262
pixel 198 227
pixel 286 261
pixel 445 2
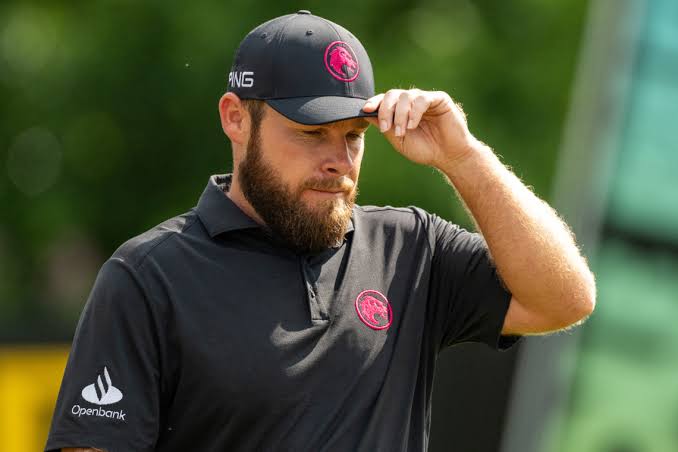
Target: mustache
pixel 343 183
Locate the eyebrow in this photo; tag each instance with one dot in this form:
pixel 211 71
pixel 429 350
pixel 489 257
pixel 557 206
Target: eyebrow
pixel 360 124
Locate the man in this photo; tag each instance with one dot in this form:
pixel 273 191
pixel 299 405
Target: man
pixel 278 315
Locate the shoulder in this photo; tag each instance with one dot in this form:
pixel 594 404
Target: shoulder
pixel 410 216
pixel 416 222
pixel 397 225
pixel 158 240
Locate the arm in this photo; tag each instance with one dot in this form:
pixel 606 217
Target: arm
pixel 117 340
pixel 533 250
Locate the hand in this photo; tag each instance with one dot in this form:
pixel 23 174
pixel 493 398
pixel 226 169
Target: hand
pixel 427 127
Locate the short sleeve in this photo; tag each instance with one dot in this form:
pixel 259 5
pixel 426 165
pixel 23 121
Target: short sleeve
pixel 471 299
pixel 109 395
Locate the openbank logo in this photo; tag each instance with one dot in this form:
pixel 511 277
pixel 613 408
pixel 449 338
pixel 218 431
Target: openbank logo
pixel 100 393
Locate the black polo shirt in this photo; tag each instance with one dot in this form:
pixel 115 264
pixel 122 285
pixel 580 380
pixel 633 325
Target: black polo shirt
pixel 205 334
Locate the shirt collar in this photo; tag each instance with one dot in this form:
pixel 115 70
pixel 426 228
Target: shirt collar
pixel 216 210
pixel 220 214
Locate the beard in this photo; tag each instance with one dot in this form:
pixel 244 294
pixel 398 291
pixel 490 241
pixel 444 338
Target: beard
pixel 293 222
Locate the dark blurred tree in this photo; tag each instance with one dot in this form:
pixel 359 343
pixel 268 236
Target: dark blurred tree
pixel 110 125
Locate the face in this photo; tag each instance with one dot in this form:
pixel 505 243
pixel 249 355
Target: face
pixel 303 180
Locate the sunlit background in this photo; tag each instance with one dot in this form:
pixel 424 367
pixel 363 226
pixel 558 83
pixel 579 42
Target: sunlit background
pixel 109 125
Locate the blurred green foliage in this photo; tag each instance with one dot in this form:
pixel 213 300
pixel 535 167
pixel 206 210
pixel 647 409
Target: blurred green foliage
pixel 109 118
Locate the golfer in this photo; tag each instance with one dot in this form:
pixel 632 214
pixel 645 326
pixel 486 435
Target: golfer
pixel 277 315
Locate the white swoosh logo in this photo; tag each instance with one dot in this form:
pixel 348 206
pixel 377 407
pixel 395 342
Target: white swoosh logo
pixel 106 395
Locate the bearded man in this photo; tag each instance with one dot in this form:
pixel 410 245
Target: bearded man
pixel 278 314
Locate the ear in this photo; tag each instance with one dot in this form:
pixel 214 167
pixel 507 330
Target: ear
pixel 234 119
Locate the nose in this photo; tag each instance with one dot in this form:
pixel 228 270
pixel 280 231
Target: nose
pixel 339 158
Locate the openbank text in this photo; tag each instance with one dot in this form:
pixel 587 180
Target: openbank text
pixel 81 411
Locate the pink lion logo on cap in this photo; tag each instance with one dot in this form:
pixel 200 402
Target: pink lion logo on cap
pixel 374 309
pixel 341 62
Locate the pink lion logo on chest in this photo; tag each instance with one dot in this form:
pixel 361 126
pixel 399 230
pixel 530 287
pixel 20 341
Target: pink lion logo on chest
pixel 374 309
pixel 341 62
pixel 371 307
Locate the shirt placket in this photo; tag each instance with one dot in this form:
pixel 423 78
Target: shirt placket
pixel 317 307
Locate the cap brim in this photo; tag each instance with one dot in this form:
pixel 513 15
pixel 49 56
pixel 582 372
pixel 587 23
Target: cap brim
pixel 320 110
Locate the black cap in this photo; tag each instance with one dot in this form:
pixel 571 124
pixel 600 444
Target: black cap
pixel 307 68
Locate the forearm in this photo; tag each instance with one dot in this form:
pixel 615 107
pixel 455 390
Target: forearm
pixel 533 249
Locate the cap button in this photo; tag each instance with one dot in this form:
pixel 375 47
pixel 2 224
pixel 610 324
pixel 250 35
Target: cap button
pixel 303 11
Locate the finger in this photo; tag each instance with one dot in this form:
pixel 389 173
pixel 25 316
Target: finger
pixel 373 103
pixel 402 112
pixel 386 109
pixel 420 105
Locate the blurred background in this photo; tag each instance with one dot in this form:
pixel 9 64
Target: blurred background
pixel 109 125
